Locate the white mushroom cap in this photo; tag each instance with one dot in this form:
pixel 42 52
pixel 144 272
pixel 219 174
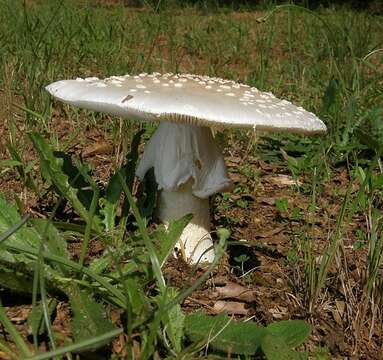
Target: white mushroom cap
pixel 189 99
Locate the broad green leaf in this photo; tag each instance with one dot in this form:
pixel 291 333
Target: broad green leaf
pixel 99 265
pixel 52 171
pixel 112 256
pixel 17 267
pixel 293 332
pixel 114 188
pixel 109 204
pixel 147 194
pixel 136 295
pixel 35 319
pixel 175 326
pixel 8 217
pixel 54 242
pixel 88 316
pixel 20 250
pixel 167 238
pixel 174 321
pixel 76 179
pixel 275 348
pixel 370 129
pixel 115 294
pixel 130 171
pixel 142 227
pixel 14 280
pixel 223 334
pixel 14 228
pixel 108 213
pixel 21 264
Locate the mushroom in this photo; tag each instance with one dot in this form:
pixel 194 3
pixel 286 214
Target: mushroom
pixel 188 165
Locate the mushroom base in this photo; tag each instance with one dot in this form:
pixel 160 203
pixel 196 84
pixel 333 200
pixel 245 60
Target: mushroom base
pixel 195 243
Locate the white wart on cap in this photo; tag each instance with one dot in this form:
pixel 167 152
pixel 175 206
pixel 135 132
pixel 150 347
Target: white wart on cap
pixel 188 165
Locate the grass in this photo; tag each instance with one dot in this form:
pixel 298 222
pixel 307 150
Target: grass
pixel 328 60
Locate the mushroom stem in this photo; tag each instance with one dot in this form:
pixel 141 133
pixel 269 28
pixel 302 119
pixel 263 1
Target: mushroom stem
pixel 195 243
pixel 189 168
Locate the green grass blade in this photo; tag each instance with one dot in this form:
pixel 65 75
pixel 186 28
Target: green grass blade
pixel 16 337
pixel 5 348
pixel 45 307
pixel 9 163
pixel 78 346
pixel 329 255
pixel 92 211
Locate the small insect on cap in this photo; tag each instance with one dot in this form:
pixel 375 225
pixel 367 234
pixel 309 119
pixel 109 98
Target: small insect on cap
pixel 188 99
